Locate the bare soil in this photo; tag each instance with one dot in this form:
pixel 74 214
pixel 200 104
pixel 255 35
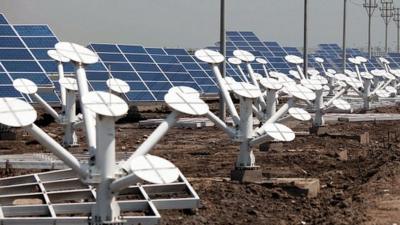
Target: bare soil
pixel 365 189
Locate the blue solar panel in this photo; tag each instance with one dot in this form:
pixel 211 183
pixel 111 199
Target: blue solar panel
pixel 17 44
pixel 6 87
pixel 6 30
pixel 149 72
pixel 3 19
pixel 203 75
pixel 34 30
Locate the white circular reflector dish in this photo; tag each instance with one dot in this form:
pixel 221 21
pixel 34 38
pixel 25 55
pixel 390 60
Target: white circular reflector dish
pixel 279 132
pixel 261 61
pixel 16 113
pixel 270 83
pixel 76 53
pixel 341 104
pixel 341 77
pixel 245 90
pixel 295 74
pixel 69 83
pixel 105 104
pixel 118 85
pixel 234 61
pixel 354 82
pixel 209 56
pixel 378 73
pixel 366 75
pixel 244 55
pixel 354 61
pixel 299 91
pixel 294 59
pixel 25 86
pixel 186 90
pixel 276 74
pixel 320 78
pixel 186 103
pixel 154 169
pixel 361 59
pixel 313 72
pixel 332 71
pixel 57 56
pixel 299 114
pixel 314 85
pixel 319 60
pixel 382 94
pixel 391 89
pixel 383 60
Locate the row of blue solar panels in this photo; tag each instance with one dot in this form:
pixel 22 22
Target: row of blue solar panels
pixel 149 72
pixel 17 45
pixel 271 51
pixel 200 72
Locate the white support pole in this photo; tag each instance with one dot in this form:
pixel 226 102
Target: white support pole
pixel 62 89
pixel 338 95
pixel 284 108
pixel 271 103
pixel 260 116
pixel 358 73
pixel 88 116
pixel 70 138
pixel 124 182
pixel 319 104
pixel 56 149
pixel 250 71
pixel 220 124
pixel 46 106
pixel 154 138
pixel 366 93
pixel 323 67
pixel 225 94
pixel 243 74
pixel 260 140
pixel 300 70
pixel 246 156
pixel 107 208
pixel 265 71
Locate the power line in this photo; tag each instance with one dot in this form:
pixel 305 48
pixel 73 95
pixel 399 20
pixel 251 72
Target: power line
pixel 386 14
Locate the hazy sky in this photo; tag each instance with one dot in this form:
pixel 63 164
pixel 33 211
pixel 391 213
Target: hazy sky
pixel 195 23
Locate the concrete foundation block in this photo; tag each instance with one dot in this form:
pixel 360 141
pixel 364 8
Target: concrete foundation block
pixel 319 131
pixel 247 175
pixel 307 187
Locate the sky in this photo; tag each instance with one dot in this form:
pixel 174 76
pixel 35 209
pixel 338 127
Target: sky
pixel 195 23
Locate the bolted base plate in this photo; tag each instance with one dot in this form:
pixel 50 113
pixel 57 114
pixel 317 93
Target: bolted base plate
pixel 247 174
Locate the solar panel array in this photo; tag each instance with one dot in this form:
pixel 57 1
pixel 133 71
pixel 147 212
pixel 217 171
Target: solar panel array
pixel 271 51
pixel 17 43
pixel 150 76
pixel 333 53
pixel 150 72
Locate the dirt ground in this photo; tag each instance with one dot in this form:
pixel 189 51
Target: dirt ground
pixel 365 189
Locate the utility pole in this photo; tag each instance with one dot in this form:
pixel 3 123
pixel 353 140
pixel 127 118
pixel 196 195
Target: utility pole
pixel 344 34
pixel 387 14
pixel 396 18
pixel 305 50
pixel 222 45
pixel 370 6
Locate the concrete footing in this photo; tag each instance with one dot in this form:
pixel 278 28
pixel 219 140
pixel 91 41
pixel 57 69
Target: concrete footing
pixel 247 175
pixel 306 187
